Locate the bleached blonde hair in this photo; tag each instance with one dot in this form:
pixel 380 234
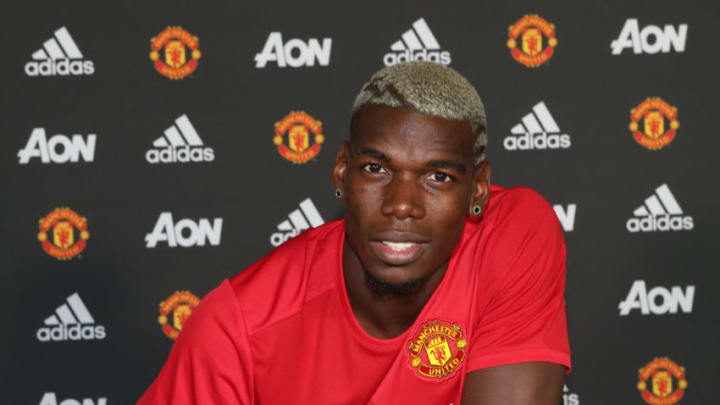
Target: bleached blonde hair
pixel 428 88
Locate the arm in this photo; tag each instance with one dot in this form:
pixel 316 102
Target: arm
pixel 208 363
pixel 530 383
pixel 520 353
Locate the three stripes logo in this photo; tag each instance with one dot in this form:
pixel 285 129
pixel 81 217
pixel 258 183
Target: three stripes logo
pixel 59 56
pixel 71 321
pixel 537 130
pixel 298 220
pixel 417 43
pixel 180 143
pixel 660 212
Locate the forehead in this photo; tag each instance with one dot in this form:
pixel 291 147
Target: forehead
pixel 408 132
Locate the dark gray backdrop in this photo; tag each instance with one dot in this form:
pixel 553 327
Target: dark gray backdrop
pixel 233 106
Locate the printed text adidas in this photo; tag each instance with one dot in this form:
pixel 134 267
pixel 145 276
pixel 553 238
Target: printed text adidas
pixel 59 56
pixel 417 43
pixel 71 321
pixel 297 223
pixel 180 144
pixel 660 212
pixel 537 130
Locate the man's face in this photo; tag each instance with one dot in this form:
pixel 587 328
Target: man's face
pixel 408 183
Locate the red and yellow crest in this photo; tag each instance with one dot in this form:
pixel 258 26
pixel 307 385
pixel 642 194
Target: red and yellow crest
pixel 654 123
pixel 299 127
pixel 63 233
pixel 662 382
pixel 175 311
pixel 526 40
pixel 438 349
pixel 170 53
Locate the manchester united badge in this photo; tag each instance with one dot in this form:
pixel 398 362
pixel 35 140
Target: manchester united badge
pixel 662 382
pixel 63 233
pixel 175 53
pixel 175 311
pixel 654 123
pixel 437 350
pixel 304 137
pixel 532 40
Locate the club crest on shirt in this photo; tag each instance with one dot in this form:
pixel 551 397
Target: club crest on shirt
pixel 437 350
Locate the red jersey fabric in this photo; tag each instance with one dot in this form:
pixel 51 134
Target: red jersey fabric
pixel 283 332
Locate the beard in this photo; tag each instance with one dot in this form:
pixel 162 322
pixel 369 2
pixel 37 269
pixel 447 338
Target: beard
pixel 382 287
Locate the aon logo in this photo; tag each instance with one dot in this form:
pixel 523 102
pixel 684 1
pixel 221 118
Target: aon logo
pixel 651 39
pixel 50 399
pixel 185 233
pixel 57 149
pixel 658 301
pixel 294 52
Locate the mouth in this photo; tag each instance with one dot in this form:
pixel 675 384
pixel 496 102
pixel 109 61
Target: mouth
pixel 398 251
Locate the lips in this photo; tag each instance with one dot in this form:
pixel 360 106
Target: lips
pixel 398 248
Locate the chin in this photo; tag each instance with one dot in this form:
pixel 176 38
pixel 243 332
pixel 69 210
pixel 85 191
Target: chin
pixel 384 285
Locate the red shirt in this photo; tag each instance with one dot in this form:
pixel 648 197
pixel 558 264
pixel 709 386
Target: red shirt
pixel 283 332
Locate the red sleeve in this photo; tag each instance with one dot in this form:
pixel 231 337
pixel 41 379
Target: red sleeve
pixel 523 308
pixel 209 362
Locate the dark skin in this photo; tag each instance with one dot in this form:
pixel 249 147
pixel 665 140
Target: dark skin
pixel 409 181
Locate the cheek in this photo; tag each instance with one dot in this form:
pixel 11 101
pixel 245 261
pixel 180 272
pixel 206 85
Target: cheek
pixel 361 205
pixel 447 216
pixel 362 198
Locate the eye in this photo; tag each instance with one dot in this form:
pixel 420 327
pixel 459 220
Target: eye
pixel 373 168
pixel 441 177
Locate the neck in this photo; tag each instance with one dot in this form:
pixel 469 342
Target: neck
pixel 383 313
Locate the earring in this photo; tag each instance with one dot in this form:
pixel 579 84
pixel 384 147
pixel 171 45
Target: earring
pixel 476 209
pixel 338 193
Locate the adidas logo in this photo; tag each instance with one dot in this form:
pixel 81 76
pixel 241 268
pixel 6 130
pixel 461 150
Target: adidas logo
pixel 59 56
pixel 181 143
pixel 71 321
pixel 660 212
pixel 537 130
pixel 297 222
pixel 417 43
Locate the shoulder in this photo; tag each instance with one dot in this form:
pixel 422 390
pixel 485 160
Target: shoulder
pixel 515 213
pixel 279 284
pixel 517 204
pixel 517 232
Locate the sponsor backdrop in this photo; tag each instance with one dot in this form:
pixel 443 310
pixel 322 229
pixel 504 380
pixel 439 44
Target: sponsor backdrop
pixel 150 152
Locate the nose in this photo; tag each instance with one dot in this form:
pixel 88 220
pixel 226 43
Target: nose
pixel 402 198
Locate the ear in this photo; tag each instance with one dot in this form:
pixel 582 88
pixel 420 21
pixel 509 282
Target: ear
pixel 341 165
pixel 481 187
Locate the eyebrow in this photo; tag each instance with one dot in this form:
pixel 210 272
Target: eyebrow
pixel 446 164
pixel 440 164
pixel 372 153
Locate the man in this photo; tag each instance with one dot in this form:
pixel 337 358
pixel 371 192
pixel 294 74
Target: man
pixel 435 288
